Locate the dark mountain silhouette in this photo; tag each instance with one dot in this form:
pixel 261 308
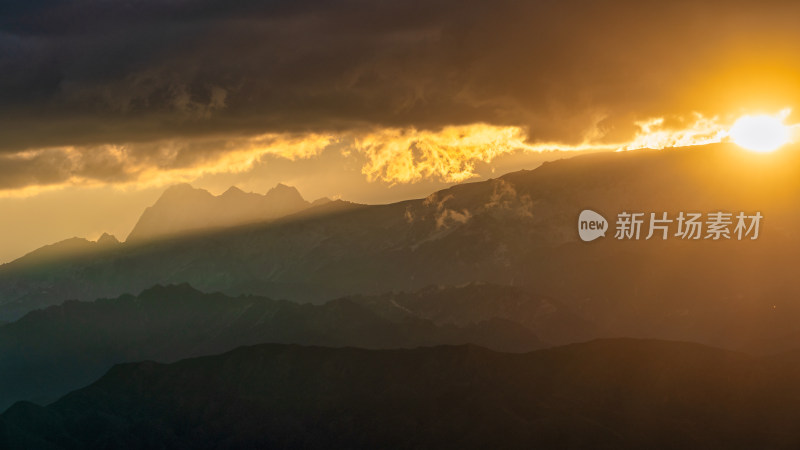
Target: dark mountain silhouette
pixel 49 352
pixel 183 209
pixel 518 230
pixel 604 394
pixel 552 321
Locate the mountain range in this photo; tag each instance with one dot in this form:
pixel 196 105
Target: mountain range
pixel 460 305
pixel 519 230
pixel 183 209
pixel 620 393
pixel 49 352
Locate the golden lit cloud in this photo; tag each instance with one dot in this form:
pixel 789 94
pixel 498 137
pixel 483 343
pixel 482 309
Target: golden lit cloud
pixel 656 134
pixel 759 132
pixel 409 155
pixel 390 155
pixel 140 166
pixel 237 156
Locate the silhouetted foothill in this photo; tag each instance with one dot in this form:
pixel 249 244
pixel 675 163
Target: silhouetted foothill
pixel 620 393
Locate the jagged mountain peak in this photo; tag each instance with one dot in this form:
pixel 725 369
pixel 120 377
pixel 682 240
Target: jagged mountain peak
pixel 182 193
pixel 280 186
pixel 183 208
pixel 233 191
pixel 283 191
pixel 107 239
pixel 182 189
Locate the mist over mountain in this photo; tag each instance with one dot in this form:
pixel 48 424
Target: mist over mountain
pixel 183 208
pixel 518 230
pixel 49 352
pixel 604 394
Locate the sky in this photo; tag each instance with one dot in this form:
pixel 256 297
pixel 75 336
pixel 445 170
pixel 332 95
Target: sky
pixel 104 104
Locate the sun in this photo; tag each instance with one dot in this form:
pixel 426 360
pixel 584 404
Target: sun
pixel 761 133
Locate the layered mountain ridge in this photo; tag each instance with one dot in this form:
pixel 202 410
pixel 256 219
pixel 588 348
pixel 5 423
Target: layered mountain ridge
pixel 49 352
pixel 519 230
pixel 619 393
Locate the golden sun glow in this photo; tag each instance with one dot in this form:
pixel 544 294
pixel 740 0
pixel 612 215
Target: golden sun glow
pixel 760 133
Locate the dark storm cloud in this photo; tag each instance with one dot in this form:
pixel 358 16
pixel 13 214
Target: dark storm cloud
pixel 91 72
